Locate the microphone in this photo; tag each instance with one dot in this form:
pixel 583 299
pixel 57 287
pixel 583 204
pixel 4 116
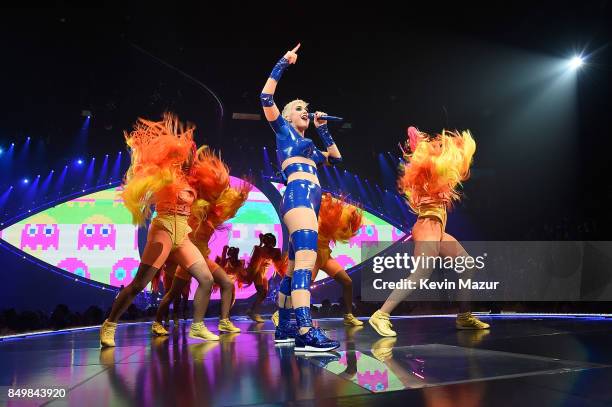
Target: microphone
pixel 311 116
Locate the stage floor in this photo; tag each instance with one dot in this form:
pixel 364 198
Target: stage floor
pixel 521 360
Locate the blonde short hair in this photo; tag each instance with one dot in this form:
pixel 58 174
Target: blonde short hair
pixel 289 106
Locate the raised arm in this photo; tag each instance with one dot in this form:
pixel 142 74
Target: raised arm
pixel 267 94
pixel 332 154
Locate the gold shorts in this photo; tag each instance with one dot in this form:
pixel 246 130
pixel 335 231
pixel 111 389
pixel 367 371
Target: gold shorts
pixel 434 211
pixel 175 225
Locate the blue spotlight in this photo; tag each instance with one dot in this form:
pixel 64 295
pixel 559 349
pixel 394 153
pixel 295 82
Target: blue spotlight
pixel 116 167
pixel 26 181
pixel 79 161
pixel 90 171
pixel 5 196
pixel 104 171
pixel 46 183
pixel 60 181
pixel 267 163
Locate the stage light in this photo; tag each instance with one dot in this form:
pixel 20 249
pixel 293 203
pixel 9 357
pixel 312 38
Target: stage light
pixel 576 62
pixel 79 161
pixel 25 181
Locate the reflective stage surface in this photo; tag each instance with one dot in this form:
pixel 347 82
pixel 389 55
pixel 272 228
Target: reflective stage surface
pixel 519 361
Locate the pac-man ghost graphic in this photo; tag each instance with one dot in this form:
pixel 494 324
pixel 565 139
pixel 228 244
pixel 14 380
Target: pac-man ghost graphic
pixel 75 266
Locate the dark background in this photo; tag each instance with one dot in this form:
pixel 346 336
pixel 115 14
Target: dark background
pixel 543 140
pixel 542 167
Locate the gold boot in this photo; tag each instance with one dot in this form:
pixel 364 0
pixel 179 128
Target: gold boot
pixel 225 325
pixel 255 317
pixel 199 331
pixel 350 320
pixel 158 329
pixel 107 334
pixel 381 324
pixel 468 321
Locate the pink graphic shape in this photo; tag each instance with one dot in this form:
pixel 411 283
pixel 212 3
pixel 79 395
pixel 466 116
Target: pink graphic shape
pixel 396 234
pixel 345 261
pixel 368 234
pixel 75 266
pixel 101 235
pixel 374 381
pixel 343 360
pixel 124 271
pixel 40 234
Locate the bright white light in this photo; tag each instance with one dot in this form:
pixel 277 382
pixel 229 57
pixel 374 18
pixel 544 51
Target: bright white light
pixel 576 62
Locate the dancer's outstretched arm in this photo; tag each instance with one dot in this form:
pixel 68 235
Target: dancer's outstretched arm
pixel 270 110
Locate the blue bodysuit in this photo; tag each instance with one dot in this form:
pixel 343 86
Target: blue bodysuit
pixel 300 193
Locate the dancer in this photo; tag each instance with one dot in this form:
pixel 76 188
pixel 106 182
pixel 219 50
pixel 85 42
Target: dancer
pixel 164 172
pixel 230 262
pixel 298 158
pixel 166 275
pixel 221 208
pixel 233 266
pixel 338 222
pixel 435 167
pixel 261 258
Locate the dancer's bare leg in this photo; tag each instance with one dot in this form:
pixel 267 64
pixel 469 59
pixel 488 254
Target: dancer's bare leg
pixel 154 256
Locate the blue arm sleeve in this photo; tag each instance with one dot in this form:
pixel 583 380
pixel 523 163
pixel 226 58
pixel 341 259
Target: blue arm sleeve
pixel 325 135
pixel 334 160
pixel 279 68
